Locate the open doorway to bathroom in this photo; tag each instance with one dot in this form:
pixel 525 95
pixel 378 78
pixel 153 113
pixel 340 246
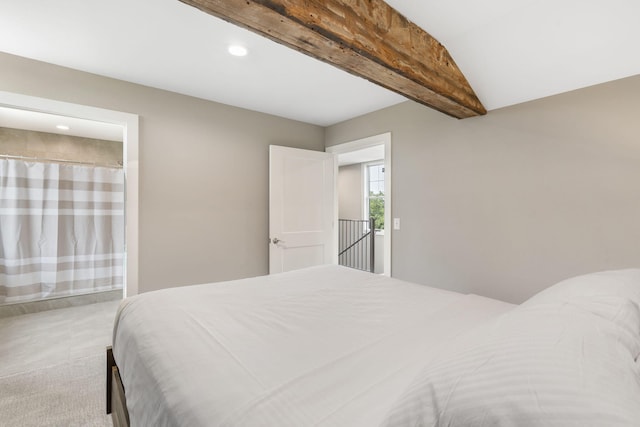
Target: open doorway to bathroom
pixel 62 211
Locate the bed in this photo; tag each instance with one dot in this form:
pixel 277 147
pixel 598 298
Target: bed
pixel 331 346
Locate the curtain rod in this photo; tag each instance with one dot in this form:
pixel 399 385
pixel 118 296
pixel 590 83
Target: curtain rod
pixel 73 162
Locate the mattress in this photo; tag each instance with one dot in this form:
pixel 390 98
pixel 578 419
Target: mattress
pixel 326 346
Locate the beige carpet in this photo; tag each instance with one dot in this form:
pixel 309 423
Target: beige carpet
pixel 65 395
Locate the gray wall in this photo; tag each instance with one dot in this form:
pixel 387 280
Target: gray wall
pixel 203 171
pixel 350 192
pixel 48 146
pixel 507 204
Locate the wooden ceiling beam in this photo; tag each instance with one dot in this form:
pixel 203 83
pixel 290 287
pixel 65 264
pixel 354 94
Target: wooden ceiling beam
pixel 367 38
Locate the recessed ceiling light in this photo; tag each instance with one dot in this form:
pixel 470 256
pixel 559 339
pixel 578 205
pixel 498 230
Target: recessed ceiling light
pixel 237 50
pixel 62 127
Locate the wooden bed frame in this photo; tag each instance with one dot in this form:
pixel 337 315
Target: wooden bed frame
pixel 116 400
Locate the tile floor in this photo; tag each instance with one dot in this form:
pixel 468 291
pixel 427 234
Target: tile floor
pixel 48 338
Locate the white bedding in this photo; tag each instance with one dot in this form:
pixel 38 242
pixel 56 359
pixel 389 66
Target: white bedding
pixel 324 346
pixel 567 357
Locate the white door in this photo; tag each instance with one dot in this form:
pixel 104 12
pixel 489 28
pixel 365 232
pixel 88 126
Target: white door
pixel 302 209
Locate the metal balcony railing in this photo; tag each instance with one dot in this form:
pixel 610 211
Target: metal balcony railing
pixel 356 247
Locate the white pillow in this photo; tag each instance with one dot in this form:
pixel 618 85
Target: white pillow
pixel 548 362
pixel 621 283
pixel 613 295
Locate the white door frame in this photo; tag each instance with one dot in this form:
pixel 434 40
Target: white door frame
pixel 372 141
pixel 129 122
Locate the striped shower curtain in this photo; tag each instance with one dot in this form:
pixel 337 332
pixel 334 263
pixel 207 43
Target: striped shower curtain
pixel 61 230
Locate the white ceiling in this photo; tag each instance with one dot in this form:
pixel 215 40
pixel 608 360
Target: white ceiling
pixel 510 51
pixel 363 155
pixel 44 122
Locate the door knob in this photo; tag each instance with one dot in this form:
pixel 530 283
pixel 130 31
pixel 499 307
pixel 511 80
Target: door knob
pixel 275 240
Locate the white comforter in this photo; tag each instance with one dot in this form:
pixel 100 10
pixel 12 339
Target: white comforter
pixel 323 346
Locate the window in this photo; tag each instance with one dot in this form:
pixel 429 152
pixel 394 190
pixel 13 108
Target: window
pixel 374 193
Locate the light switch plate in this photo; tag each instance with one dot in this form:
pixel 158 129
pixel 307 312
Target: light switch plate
pixel 396 223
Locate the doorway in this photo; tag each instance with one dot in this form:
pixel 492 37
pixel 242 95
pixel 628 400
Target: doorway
pixel 364 181
pixel 128 125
